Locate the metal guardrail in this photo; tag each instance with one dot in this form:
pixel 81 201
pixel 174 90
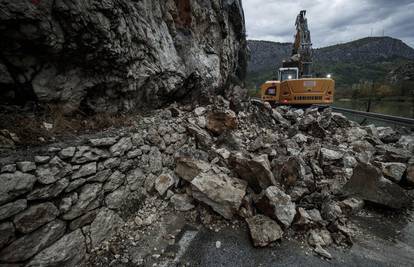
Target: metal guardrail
pixel 403 121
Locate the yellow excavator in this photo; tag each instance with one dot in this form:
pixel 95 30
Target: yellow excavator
pixel 295 84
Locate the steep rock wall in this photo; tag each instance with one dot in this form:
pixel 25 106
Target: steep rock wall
pixel 117 55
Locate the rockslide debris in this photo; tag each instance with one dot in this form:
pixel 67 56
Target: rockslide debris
pixel 282 170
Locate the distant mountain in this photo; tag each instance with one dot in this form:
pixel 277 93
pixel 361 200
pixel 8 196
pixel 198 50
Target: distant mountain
pixel 370 58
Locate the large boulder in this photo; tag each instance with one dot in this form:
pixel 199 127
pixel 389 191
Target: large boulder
pixel 276 204
pixel 263 230
pixel 28 245
pixel 220 121
pixel 255 171
pixel 15 184
pixel 368 184
pixel 221 192
pixel 106 223
pixel 188 168
pixel 100 56
pixel 70 250
pixel 35 216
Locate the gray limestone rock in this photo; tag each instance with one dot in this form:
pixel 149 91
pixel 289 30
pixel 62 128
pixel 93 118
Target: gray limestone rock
pixel 28 245
pixel 121 147
pixel 86 201
pixel 70 250
pixel 114 181
pixel 263 230
pixel 12 208
pixel 14 185
pixel 49 191
pixel 274 203
pixel 86 154
pixel 105 141
pixel 85 170
pixel 67 152
pixel 368 184
pixel 26 166
pixel 182 202
pixel 7 234
pixel 35 216
pixel 163 183
pixel 52 171
pixel 104 226
pixel 223 193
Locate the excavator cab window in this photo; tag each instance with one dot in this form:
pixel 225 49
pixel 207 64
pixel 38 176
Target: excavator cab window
pixel 288 74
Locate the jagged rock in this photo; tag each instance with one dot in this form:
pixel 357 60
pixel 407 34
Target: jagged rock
pixel 53 171
pixel 394 154
pixel 116 199
pixel 274 203
pixel 70 250
pixel 134 153
pixel 302 219
pixel 331 210
pixel 105 141
pixel 340 120
pixel 388 135
pixel 203 137
pixel 182 202
pixel 407 141
pixel 351 205
pixel 75 184
pixel 28 245
pixel 35 216
pixel 67 152
pixel 86 154
pixel 188 168
pixel 114 181
pixel 393 170
pixel 85 170
pixel 100 176
pixel 12 208
pixel 135 179
pixel 319 237
pixel 41 159
pixel 290 171
pixel 14 185
pixel 8 168
pixel 322 252
pixel 83 220
pixel 6 234
pixel 104 226
pixel 219 122
pixel 263 230
pixel 89 194
pixel 163 183
pixel 155 160
pixel 255 171
pixel 26 166
pixel 349 162
pixel 121 147
pixel 112 163
pixel 368 184
pixel 199 111
pixel 221 192
pixel 331 155
pixel 315 215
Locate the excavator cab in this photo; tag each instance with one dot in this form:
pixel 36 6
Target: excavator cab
pixel 288 74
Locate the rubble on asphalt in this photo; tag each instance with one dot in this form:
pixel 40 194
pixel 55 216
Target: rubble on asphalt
pixel 285 171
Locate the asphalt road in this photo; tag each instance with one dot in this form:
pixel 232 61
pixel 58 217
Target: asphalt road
pixel 381 241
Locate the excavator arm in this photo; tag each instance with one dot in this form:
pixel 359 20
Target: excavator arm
pixel 302 47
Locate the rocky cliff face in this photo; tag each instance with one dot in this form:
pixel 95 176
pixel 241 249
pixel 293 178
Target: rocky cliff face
pixel 117 55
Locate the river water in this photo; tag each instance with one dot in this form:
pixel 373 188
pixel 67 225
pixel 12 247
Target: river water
pixel 395 108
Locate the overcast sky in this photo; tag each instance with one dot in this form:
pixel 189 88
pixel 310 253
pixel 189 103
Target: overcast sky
pixel 330 21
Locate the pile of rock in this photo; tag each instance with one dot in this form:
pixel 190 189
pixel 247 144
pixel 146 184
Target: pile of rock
pixel 280 169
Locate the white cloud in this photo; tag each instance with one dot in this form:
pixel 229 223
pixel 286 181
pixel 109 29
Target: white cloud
pixel 330 21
